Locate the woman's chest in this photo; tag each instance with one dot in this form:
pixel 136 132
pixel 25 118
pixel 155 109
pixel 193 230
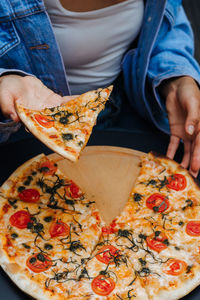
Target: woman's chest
pixel 87 5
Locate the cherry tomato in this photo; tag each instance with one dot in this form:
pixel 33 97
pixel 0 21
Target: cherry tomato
pixel 193 228
pixel 72 190
pixel 20 219
pixel 97 216
pixel 157 202
pixel 109 229
pixel 59 228
pixel 107 254
pixel 48 167
pixel 38 262
pixel 177 182
pixel 102 285
pixel 156 242
pixel 175 267
pixel 45 121
pixel 29 195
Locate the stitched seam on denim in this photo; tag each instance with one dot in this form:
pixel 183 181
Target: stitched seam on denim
pixel 12 18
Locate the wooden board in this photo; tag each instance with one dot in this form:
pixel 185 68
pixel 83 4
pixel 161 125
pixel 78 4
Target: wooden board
pixel 106 174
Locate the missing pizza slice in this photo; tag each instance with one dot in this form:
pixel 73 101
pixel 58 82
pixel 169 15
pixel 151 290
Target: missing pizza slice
pixel 66 128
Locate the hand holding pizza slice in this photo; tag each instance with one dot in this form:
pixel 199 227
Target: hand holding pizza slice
pixel 66 128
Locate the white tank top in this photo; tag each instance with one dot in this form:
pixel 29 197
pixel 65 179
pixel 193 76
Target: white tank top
pixel 93 43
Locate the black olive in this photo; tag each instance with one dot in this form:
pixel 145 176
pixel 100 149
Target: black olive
pixel 177 248
pixel 40 257
pixel 142 261
pixel 29 225
pixel 123 233
pixel 38 227
pixel 145 271
pixel 67 136
pixel 44 169
pixel 157 233
pixel 69 201
pixel 26 246
pixel 137 197
pixel 166 242
pixel 48 247
pixel 21 188
pixel 14 235
pixel 64 120
pixel 32 260
pixel 142 236
pixel 33 219
pixel 48 219
pixel 28 180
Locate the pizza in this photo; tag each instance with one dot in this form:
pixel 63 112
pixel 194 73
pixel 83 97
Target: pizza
pixel 55 245
pixel 66 128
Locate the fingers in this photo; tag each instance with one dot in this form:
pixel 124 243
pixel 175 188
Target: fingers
pixel 187 153
pixel 195 158
pixel 173 146
pixel 193 111
pixel 7 106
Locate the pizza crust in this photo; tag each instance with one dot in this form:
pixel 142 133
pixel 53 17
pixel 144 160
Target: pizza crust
pixel 4 189
pixel 180 292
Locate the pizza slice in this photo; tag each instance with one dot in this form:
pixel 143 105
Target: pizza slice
pixel 48 229
pixel 66 128
pixel 160 260
pixel 161 187
pixel 108 274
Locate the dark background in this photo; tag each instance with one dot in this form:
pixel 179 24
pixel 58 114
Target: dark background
pixel 192 8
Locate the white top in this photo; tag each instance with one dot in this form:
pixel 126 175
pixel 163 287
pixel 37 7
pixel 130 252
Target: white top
pixel 93 43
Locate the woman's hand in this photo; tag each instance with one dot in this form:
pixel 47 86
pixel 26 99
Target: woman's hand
pixel 182 96
pixel 29 91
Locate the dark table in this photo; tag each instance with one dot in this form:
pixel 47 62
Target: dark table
pixel 16 153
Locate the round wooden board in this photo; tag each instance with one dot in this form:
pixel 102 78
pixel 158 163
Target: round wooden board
pixel 106 174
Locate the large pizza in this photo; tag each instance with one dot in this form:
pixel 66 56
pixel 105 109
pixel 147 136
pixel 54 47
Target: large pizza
pixel 55 245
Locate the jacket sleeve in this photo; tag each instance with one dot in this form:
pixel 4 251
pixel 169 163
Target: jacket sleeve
pixel 173 52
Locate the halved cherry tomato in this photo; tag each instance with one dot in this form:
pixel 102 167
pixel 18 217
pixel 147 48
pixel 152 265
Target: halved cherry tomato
pixel 110 228
pixel 102 285
pixel 175 267
pixel 72 190
pixel 48 167
pixel 38 262
pixel 157 202
pixel 107 254
pixel 45 121
pixel 29 195
pixel 59 228
pixel 193 228
pixel 177 182
pixel 97 216
pixel 20 219
pixel 156 242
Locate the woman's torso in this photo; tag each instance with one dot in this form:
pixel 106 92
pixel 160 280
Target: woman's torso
pixel 93 42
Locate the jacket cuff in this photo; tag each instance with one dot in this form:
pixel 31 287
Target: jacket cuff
pixel 14 71
pixel 7 128
pixel 168 75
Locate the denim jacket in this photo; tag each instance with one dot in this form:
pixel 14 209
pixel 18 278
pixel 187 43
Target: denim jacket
pixel 164 50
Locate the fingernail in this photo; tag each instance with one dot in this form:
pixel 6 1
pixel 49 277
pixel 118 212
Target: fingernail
pixel 190 129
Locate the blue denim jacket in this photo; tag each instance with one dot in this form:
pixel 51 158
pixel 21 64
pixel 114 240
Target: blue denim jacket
pixel 164 50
